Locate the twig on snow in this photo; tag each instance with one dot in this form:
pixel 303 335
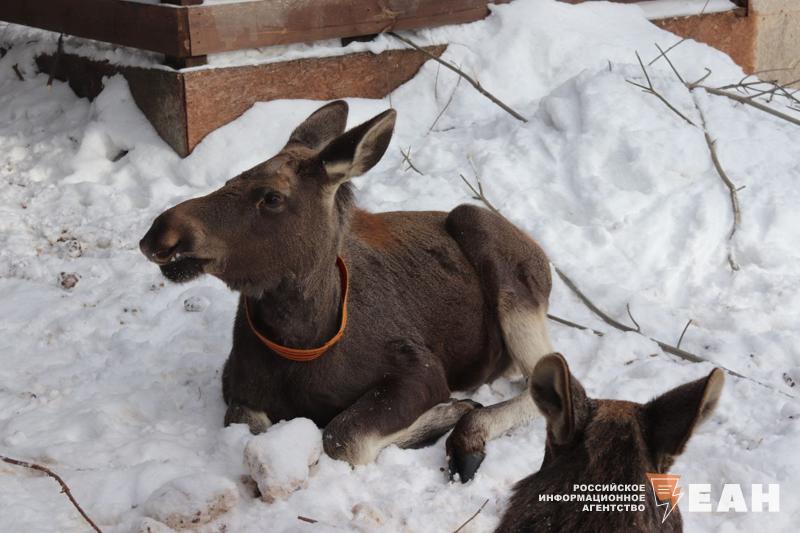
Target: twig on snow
pixel 688 36
pixel 680 339
pixel 630 315
pixel 574 325
pixel 64 487
pixel 752 103
pixel 477 194
pixel 775 87
pixel 472 81
pixel 712 149
pixel 446 105
pixel 471 518
pixel 307 519
pixel 571 285
pixel 407 160
pixel 651 90
pixel 732 190
pixel 15 67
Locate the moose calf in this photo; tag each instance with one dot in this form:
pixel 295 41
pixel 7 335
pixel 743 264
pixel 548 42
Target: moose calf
pixel 362 322
pixel 601 442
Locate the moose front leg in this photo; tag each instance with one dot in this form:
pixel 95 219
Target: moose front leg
pixel 258 421
pixel 406 411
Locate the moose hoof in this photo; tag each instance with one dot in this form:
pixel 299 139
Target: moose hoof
pixel 464 464
pixel 465 445
pixel 257 421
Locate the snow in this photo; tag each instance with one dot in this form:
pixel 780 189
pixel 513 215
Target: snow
pixel 279 459
pixel 191 500
pixel 683 8
pixel 114 383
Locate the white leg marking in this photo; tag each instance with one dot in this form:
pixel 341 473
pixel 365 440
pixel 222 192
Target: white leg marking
pixel 443 415
pixel 501 417
pixel 526 336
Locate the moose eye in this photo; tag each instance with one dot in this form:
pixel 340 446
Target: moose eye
pixel 271 200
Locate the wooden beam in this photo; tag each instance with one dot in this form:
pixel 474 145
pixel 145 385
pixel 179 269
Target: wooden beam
pixel 235 26
pixel 215 97
pixel 184 107
pixel 146 26
pixel 179 32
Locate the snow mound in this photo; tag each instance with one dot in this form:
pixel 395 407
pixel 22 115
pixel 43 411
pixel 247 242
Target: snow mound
pixel 279 459
pixel 189 501
pixel 148 525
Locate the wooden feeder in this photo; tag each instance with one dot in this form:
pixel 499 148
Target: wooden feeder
pixel 184 104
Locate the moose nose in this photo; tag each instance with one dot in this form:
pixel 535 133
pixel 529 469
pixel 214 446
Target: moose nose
pixel 160 243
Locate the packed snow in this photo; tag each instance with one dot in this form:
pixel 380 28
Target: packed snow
pixel 279 459
pixel 111 376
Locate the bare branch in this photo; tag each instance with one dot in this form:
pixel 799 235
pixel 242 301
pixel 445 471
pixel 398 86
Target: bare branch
pixel 471 518
pixel 747 101
pixel 572 324
pixel 665 52
pixel 446 105
pixel 714 156
pixel 588 303
pixel 477 194
pixel 651 90
pixel 472 81
pixel 680 339
pixel 407 159
pixel 628 308
pixel 733 192
pixel 64 487
pixel 669 62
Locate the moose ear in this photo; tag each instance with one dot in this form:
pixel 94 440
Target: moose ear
pixel 672 417
pixel 323 125
pixel 358 150
pixel 558 395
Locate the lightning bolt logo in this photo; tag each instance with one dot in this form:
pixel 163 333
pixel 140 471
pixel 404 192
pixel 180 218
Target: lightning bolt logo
pixel 666 492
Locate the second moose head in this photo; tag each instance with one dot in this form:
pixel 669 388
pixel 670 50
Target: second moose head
pixel 600 442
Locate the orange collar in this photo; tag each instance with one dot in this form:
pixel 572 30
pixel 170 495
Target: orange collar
pixel 296 354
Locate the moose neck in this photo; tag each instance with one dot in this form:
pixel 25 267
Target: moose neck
pixel 302 312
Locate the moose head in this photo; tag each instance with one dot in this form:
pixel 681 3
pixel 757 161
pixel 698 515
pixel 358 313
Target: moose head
pixel 285 216
pixel 604 441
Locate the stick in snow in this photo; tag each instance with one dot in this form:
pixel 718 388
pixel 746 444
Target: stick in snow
pixel 712 149
pixel 472 81
pixel 64 487
pixel 471 518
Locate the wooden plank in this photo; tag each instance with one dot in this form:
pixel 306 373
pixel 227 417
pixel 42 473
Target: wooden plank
pixel 215 97
pixel 184 107
pixel 225 27
pixel 152 27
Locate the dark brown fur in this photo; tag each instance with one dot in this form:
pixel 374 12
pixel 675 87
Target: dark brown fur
pixel 601 442
pixel 424 290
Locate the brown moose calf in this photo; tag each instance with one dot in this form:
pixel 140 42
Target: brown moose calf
pixel 601 442
pixel 362 322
